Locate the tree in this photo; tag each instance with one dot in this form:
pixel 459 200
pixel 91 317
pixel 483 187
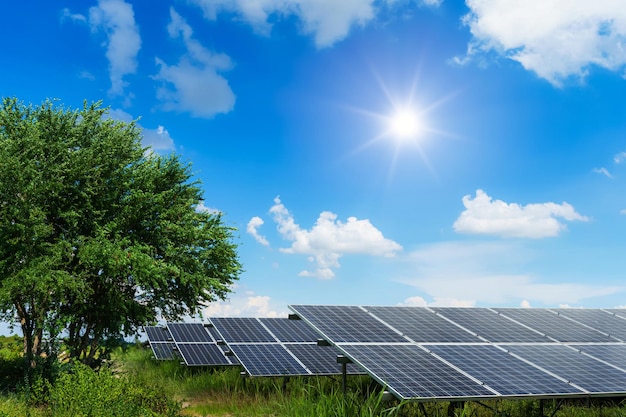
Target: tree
pixel 99 236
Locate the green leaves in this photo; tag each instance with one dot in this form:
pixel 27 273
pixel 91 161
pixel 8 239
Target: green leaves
pixel 96 233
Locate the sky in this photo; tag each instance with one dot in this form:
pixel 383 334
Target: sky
pixel 368 152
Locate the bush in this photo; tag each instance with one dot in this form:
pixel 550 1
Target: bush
pixel 86 392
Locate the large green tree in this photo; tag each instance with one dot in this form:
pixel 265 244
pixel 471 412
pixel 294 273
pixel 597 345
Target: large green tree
pixel 98 235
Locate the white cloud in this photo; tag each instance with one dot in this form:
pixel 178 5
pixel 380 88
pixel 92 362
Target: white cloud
pixel 328 21
pixel 489 273
pixel 535 221
pixel 619 158
pixel 418 301
pixel 66 14
pixel 158 139
pixel 329 239
pixel 194 85
pixel 248 305
pixel 252 227
pixel 603 171
pixel 556 39
pixel 117 20
pixel 202 208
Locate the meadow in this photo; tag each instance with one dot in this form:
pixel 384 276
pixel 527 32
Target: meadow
pixel 134 384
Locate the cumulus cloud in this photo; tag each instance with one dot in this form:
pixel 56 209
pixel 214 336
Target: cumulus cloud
pixel 489 273
pixel 194 84
pixel 247 305
pixel 117 20
pixel 157 139
pixel 66 14
pixel 203 208
pixel 329 239
pixel 252 227
pixel 556 39
pixel 327 21
pixel 482 215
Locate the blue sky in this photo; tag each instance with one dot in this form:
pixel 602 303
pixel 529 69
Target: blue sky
pixel 507 191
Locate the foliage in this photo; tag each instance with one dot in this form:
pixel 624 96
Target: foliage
pixel 98 235
pixel 95 393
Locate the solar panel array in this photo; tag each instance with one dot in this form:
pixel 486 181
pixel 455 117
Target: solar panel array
pixel 277 347
pixel 161 342
pixel 449 353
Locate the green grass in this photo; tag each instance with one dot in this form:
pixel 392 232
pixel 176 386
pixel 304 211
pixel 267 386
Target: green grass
pixel 137 385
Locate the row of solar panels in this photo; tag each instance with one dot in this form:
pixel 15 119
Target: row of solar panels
pixel 263 346
pixel 480 353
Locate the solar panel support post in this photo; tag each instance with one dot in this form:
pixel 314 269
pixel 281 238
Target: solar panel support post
pixel 344 361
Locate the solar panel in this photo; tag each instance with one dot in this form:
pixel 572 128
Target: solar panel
pixel 158 334
pixel 421 325
pixel 581 370
pixel 290 330
pixel 164 350
pixel 241 330
pixel 267 360
pixel 553 325
pixel 600 320
pixel 614 354
pixel 189 333
pixel 489 325
pixel 203 354
pixel 411 372
pixel 506 374
pixel 343 324
pixel 320 360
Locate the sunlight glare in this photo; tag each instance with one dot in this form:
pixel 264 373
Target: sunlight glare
pixel 405 124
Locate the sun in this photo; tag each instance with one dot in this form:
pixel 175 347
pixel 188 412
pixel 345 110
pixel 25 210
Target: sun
pixel 405 124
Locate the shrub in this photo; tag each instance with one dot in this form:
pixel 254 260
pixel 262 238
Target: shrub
pixel 87 392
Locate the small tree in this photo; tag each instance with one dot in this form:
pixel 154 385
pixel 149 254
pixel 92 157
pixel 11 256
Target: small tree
pixel 97 235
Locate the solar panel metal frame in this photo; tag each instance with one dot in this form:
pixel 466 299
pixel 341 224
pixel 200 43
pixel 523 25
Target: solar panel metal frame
pixel 357 352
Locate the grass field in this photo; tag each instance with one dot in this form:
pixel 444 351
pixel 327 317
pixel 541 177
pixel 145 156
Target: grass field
pixel 134 384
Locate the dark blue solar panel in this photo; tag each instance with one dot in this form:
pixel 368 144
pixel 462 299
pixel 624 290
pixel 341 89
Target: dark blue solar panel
pixel 600 320
pixel 421 325
pixel 505 373
pixel 189 333
pixel 267 360
pixel 581 370
pixel 158 334
pixel 287 330
pixel 241 330
pixel 347 324
pixel 553 325
pixel 615 354
pixel 412 373
pixel 202 354
pixel 164 350
pixel 320 360
pixel 490 325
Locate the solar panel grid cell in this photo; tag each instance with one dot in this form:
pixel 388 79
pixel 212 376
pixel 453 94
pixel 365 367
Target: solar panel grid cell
pixel 267 360
pixel 343 324
pixel 242 330
pixel 597 319
pixel 414 373
pixel 320 360
pixel 158 334
pixel 581 370
pixel 489 325
pixel 164 350
pixel 505 373
pixel 290 330
pixel 203 354
pixel 555 326
pixel 421 325
pixel 189 333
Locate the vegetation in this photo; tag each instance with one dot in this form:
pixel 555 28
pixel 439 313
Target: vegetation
pixel 97 234
pixel 134 384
